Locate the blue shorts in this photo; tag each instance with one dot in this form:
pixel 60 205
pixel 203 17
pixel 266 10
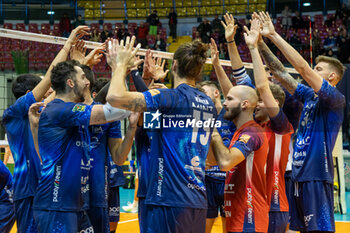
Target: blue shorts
pixel 24 215
pixel 62 222
pixel 7 217
pixel 142 214
pixel 160 219
pixel 114 204
pixel 289 187
pixel 99 219
pixel 278 222
pixel 312 207
pixel 215 195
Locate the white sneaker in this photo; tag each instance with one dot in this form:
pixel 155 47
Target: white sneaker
pixel 130 208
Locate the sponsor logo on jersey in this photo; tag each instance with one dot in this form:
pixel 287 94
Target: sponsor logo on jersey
pixel 307 219
pixel 79 108
pixel 56 183
pixel 160 176
pixel 244 138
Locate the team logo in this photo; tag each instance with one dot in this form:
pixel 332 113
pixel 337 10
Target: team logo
pixel 244 138
pixel 79 108
pixel 151 120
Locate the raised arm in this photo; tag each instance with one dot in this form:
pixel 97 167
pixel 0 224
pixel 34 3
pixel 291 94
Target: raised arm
pixel 297 61
pixel 120 149
pixel 40 90
pixel 118 95
pixel 224 81
pixel 34 116
pixel 261 82
pixel 230 32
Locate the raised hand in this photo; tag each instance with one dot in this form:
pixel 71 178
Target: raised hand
pixel 78 51
pixel 146 74
pixel 111 54
pixel 126 52
pixel 251 37
pixel 230 27
pixel 94 57
pixel 267 27
pixel 154 85
pixel 78 33
pixel 156 68
pixel 214 52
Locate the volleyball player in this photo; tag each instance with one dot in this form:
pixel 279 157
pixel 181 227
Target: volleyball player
pixel 270 116
pixel 64 142
pixel 176 196
pixel 313 207
pixel 15 118
pixel 246 207
pixel 214 177
pixel 7 210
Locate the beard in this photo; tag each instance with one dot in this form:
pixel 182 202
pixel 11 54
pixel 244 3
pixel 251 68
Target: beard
pixel 79 93
pixel 233 113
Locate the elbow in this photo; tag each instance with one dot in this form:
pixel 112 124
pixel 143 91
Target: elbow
pixel 112 99
pixel 118 161
pixel 261 87
pixel 224 166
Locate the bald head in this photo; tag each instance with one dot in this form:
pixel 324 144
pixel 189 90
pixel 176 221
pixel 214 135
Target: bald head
pixel 245 93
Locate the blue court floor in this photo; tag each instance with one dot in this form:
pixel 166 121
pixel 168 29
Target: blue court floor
pixel 127 195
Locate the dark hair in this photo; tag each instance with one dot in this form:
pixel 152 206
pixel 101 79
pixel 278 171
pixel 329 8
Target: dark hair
pixel 100 82
pixel 210 83
pixel 89 74
pixel 61 73
pixel 191 58
pixel 24 83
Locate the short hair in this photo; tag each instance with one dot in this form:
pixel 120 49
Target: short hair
pixel 210 83
pixel 99 84
pixel 334 63
pixel 277 93
pixel 61 73
pixel 191 58
pixel 89 74
pixel 24 83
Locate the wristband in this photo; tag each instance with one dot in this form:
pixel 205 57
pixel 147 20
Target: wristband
pixel 229 42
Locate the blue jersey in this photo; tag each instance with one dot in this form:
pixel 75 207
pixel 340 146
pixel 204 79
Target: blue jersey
pixel 116 175
pixel 6 189
pixel 318 129
pixel 226 131
pixel 143 153
pixel 99 157
pixel 64 141
pixel 180 147
pixel 27 163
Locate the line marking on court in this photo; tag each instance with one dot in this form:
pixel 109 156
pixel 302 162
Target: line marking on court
pixel 131 220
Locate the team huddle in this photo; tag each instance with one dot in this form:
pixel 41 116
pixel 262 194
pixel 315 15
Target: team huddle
pixel 262 158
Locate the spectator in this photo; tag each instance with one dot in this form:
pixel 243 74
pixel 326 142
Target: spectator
pixel 347 24
pixel 160 44
pixel 295 41
pixel 95 35
pixel 123 33
pixel 172 23
pixel 217 26
pixel 297 21
pixel 343 12
pixel 205 31
pixel 286 17
pixel 141 34
pixel 197 36
pixel 330 53
pixel 342 38
pixel 153 21
pixel 65 26
pixel 330 42
pixel 343 53
pixel 79 21
pixel 105 34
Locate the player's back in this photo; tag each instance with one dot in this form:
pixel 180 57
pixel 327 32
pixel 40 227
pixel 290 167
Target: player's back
pixel 180 147
pixel 27 164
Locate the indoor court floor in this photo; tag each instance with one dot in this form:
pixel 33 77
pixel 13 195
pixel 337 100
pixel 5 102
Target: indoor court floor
pixel 129 223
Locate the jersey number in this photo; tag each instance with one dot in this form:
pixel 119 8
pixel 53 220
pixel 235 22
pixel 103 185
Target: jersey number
pixel 203 138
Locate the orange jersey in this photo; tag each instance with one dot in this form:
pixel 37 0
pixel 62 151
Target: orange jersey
pixel 246 206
